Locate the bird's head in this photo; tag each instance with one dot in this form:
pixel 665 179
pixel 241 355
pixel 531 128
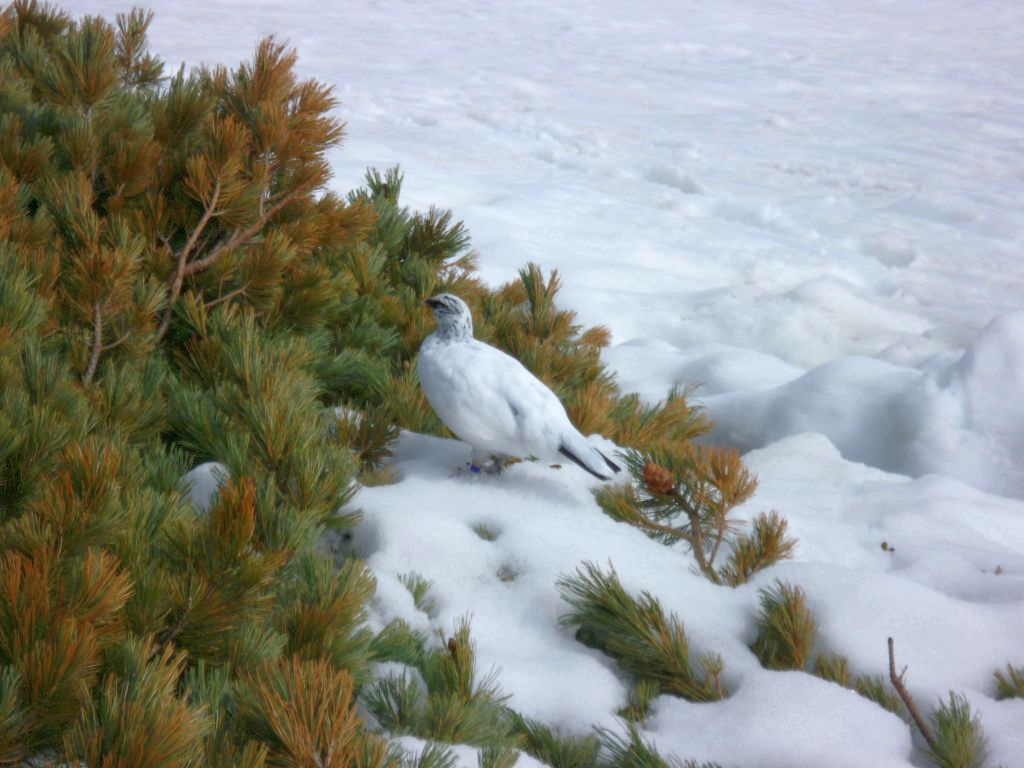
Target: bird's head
pixel 454 319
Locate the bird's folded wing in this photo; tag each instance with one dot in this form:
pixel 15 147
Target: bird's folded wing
pixel 535 410
pixel 505 402
pixel 468 389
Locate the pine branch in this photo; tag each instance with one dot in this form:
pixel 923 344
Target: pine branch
pixel 240 236
pixel 640 521
pixel 171 632
pixel 179 272
pixel 186 268
pixel 901 689
pixel 96 348
pixel 669 481
pixel 227 296
pixel 118 343
pixel 697 535
pixel 721 527
pixel 694 537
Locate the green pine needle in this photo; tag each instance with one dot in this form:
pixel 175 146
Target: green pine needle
pixel 637 633
pixel 448 701
pixel 959 739
pixel 396 701
pixel 433 755
pixel 876 688
pixel 631 750
pixel 419 588
pixel 1010 685
pixel 497 757
pixel 836 669
pixel 13 717
pixel 553 748
pixel 641 696
pixel 787 628
pixel 398 642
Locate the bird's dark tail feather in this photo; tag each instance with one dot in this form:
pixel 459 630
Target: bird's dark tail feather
pixel 576 459
pixel 611 464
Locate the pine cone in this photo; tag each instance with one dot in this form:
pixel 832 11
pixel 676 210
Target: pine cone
pixel 658 479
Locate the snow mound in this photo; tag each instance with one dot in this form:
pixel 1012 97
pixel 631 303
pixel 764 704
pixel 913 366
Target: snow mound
pixel 652 367
pixel 962 417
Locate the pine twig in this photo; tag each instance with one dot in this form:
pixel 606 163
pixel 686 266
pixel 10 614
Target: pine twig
pixel 186 250
pixel 186 268
pixel 118 343
pixel 696 538
pixel 665 530
pixel 171 632
pixel 720 529
pixel 239 236
pixel 227 296
pixel 901 689
pixel 97 344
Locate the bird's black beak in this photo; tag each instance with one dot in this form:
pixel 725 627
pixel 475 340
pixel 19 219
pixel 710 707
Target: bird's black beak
pixel 432 303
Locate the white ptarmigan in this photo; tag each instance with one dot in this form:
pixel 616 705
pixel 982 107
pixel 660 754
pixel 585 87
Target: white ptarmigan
pixel 489 400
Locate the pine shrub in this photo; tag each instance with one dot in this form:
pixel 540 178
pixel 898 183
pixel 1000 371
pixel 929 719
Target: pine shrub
pixel 169 267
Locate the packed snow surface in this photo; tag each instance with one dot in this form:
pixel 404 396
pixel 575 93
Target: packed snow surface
pixel 810 209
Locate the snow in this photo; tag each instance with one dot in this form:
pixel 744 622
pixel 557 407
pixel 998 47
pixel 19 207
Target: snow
pixel 961 415
pixel 778 710
pixel 812 210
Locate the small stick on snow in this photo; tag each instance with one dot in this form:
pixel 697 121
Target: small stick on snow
pixel 901 689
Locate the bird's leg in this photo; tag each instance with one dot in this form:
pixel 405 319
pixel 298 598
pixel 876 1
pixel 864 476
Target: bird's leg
pixel 486 462
pixel 478 460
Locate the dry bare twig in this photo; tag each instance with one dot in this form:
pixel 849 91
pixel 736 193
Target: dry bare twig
pixel 908 700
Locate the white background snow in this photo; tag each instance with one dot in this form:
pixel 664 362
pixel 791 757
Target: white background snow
pixel 813 209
